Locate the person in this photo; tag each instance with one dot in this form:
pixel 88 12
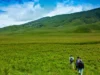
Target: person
pixel 77 60
pixel 80 66
pixel 71 60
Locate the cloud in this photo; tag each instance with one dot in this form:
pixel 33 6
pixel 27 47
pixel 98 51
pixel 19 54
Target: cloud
pixel 21 13
pixel 63 8
pixel 6 21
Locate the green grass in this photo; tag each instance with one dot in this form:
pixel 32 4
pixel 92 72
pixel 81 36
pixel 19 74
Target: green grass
pixel 48 54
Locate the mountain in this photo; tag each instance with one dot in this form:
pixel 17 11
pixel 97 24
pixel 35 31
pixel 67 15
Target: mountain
pixel 81 22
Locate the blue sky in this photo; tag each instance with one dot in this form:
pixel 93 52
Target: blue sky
pixel 13 12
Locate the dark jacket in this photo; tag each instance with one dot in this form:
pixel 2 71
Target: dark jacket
pixel 80 65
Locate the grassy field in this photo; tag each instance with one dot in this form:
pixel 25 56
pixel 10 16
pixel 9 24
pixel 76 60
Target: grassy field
pixel 48 54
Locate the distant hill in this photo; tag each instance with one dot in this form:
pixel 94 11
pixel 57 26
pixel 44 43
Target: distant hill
pixel 81 22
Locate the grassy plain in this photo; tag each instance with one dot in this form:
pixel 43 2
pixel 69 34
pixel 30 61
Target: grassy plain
pixel 48 53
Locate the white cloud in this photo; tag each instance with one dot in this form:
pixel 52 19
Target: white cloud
pixel 6 21
pixel 18 14
pixel 62 8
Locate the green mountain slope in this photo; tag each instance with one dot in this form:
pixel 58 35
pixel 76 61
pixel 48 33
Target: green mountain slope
pixel 87 21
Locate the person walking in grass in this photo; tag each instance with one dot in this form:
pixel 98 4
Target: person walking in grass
pixel 79 65
pixel 77 60
pixel 71 60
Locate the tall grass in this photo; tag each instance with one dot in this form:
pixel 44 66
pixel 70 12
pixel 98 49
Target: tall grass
pixel 48 55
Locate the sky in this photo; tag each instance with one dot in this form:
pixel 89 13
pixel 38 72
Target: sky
pixel 16 12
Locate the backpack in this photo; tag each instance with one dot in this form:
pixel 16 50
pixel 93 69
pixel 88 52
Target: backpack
pixel 80 65
pixel 71 59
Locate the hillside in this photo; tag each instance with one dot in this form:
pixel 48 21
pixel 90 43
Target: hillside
pixel 81 22
pixel 43 47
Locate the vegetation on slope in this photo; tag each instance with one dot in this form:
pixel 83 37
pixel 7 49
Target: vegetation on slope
pixel 87 21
